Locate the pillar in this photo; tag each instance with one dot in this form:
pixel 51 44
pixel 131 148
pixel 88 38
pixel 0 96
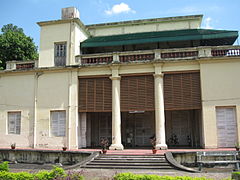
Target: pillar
pixel 82 136
pixel 116 112
pixel 159 109
pixel 72 133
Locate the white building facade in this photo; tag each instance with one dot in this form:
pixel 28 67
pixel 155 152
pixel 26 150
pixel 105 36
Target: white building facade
pixel 125 81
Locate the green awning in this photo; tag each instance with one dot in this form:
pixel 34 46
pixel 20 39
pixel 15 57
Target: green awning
pixel 161 36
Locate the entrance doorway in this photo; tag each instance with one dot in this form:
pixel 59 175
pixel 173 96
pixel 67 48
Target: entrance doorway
pixel 183 128
pixel 98 125
pixel 137 128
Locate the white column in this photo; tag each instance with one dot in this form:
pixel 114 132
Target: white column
pixel 82 136
pixel 72 137
pixel 116 114
pixel 159 112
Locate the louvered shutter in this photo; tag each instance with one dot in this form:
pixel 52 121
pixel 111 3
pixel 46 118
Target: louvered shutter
pixel 61 123
pixel 58 123
pixel 54 123
pixel 226 127
pixel 182 91
pixel 18 122
pixel 14 122
pixel 137 93
pixel 95 94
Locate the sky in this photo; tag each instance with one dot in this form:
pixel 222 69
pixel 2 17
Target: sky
pixel 217 14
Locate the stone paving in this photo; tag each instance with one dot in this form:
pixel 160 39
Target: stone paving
pixel 102 174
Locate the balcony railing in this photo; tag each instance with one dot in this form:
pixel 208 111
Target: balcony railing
pixel 179 54
pixel 21 65
pixel 226 52
pixel 160 54
pixel 136 57
pixel 97 60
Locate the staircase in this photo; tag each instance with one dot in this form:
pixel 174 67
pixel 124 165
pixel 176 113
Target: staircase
pixel 107 161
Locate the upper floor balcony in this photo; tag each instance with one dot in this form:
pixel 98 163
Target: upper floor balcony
pixel 164 55
pixel 159 54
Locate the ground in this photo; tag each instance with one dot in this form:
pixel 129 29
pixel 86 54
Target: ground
pixel 107 174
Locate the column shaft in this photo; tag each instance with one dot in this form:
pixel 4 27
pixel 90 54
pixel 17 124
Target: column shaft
pixel 159 112
pixel 116 115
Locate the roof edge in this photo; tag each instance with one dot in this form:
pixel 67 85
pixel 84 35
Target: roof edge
pixel 146 21
pixel 62 21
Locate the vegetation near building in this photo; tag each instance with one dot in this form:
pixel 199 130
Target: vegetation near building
pixel 15 45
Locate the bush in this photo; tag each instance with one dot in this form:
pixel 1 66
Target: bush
pixel 130 176
pixel 4 166
pixel 55 174
pixel 16 176
pixel 236 175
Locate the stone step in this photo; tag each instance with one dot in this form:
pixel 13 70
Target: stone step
pixel 127 164
pixel 132 156
pixel 128 167
pixel 131 161
pixel 106 161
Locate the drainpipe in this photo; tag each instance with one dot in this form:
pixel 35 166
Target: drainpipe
pixel 69 110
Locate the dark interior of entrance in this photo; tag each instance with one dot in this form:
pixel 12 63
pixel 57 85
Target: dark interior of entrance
pixel 137 128
pixel 99 125
pixel 183 128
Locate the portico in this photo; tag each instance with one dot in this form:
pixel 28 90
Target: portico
pixel 159 109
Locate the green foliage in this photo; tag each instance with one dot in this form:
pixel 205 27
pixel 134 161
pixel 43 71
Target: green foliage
pixel 4 166
pixel 236 175
pixel 16 176
pixel 130 176
pixel 11 27
pixel 15 45
pixel 55 174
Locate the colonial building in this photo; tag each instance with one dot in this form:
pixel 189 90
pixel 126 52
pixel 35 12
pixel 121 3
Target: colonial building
pixel 125 81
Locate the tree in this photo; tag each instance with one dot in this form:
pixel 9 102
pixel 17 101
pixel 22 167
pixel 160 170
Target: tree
pixel 15 45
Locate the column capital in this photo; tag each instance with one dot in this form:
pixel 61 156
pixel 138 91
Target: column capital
pixel 159 64
pixel 114 66
pixel 158 75
pixel 115 77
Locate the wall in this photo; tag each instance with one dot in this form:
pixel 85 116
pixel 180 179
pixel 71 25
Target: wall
pixel 80 36
pixel 220 87
pixel 52 95
pixel 219 82
pixel 46 157
pixel 53 33
pixel 143 27
pixel 17 94
pixel 54 90
pixel 48 36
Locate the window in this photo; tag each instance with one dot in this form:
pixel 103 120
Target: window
pixel 58 123
pixel 60 51
pixel 14 122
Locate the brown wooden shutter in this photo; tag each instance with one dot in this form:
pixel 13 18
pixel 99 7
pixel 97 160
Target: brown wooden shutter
pixel 137 93
pixel 95 94
pixel 182 91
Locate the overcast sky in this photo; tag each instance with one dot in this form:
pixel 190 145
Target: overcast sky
pixel 218 14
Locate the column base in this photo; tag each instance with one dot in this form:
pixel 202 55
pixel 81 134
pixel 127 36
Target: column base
pixel 161 146
pixel 116 147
